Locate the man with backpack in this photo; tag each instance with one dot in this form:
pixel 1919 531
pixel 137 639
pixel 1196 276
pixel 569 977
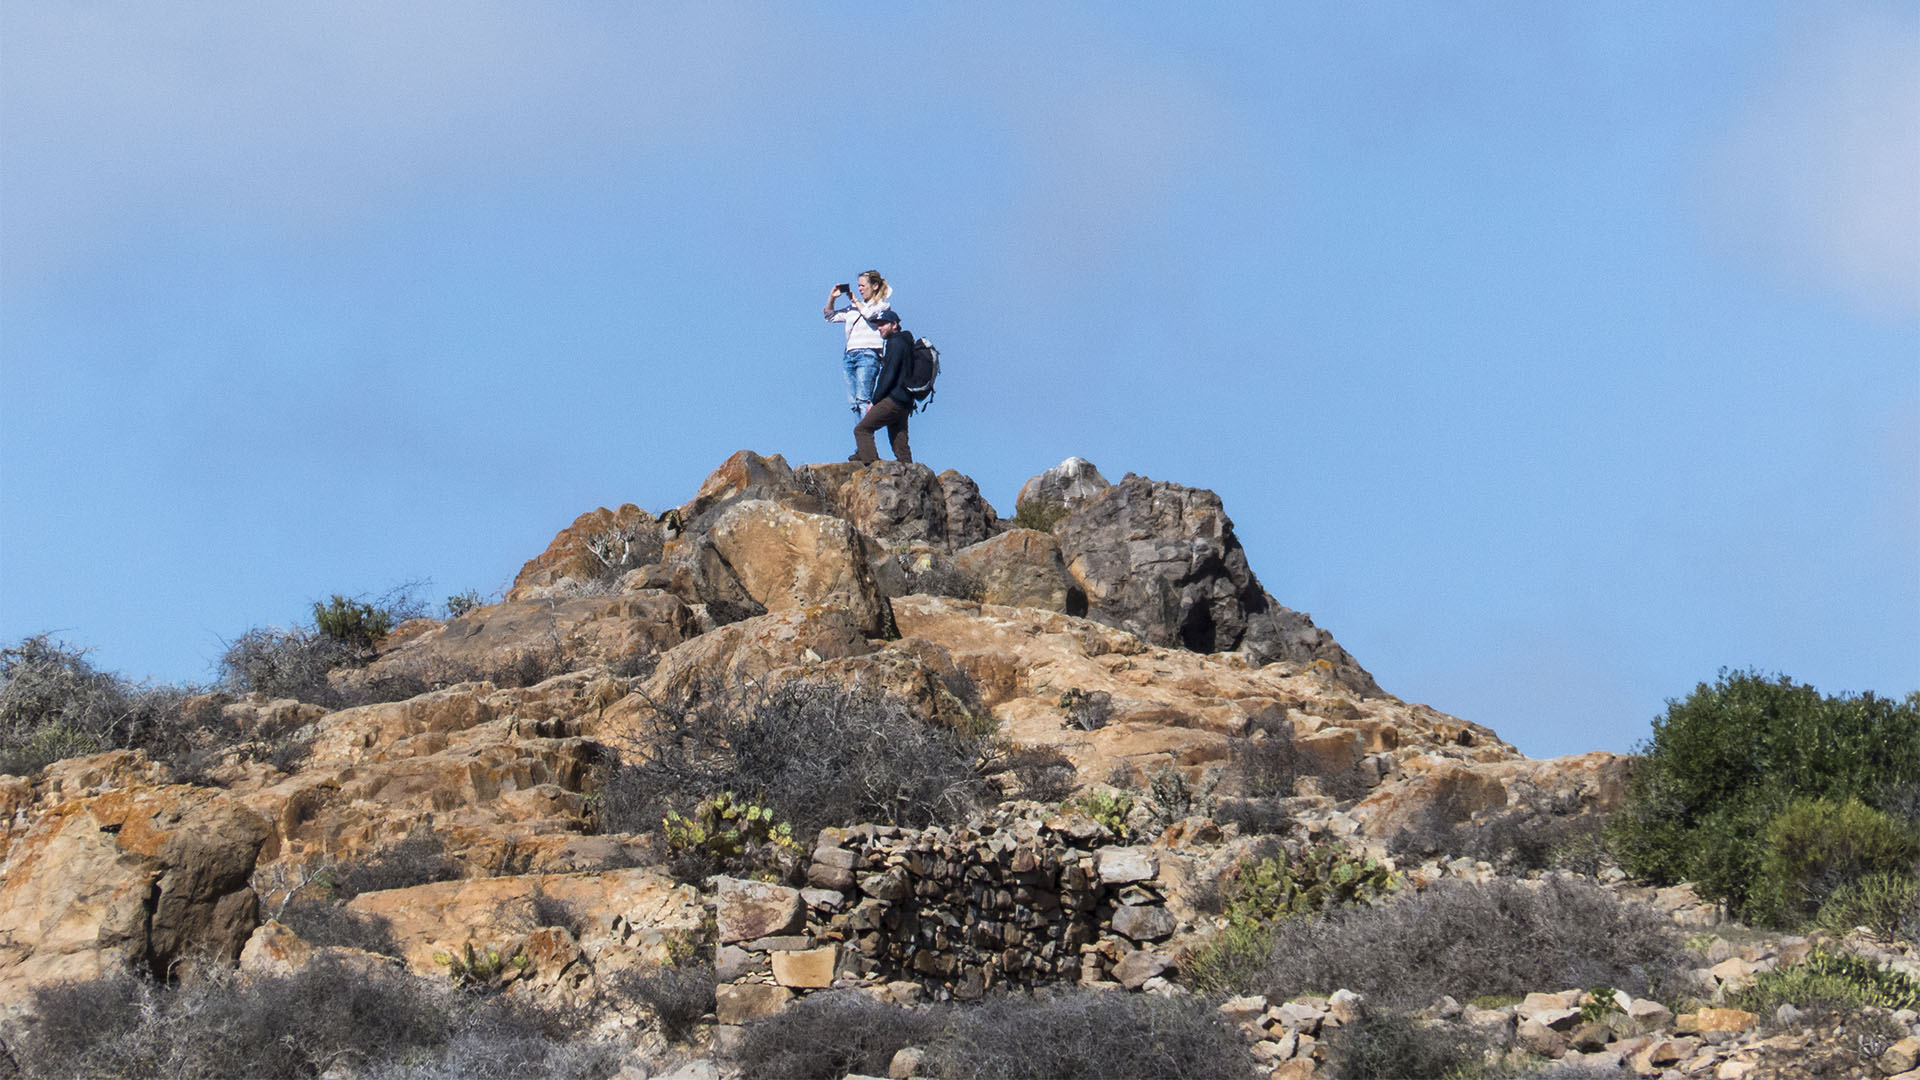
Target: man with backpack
pixel 892 400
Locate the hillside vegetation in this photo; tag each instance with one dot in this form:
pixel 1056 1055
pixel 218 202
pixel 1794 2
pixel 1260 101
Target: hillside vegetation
pixel 833 771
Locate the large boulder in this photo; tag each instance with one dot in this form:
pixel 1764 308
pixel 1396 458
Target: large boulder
pixel 525 640
pixel 744 476
pixel 897 503
pixel 142 880
pixel 743 652
pixel 1162 561
pixel 1064 486
pixel 970 518
pixel 595 546
pixel 1023 568
pixel 786 559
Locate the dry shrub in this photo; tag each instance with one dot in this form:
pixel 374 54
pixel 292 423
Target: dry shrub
pixel 327 1016
pixel 1393 1046
pixel 1040 773
pixel 816 753
pixel 828 1035
pixel 678 997
pixel 1471 939
pixel 1088 1034
pixel 418 860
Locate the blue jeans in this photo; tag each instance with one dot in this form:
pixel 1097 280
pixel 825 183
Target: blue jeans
pixel 862 366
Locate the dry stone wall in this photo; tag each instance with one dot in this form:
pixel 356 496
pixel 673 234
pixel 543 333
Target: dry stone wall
pixel 946 914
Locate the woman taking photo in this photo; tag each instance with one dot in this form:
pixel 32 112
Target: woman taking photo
pixel 863 341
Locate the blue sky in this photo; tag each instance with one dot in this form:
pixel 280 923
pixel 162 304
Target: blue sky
pixel 1552 356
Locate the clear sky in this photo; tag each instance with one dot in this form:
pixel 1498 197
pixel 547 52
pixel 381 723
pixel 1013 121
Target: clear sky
pixel 1552 356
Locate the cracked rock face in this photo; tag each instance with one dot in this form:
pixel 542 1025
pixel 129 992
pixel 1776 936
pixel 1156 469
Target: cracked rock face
pixel 135 880
pixel 1161 561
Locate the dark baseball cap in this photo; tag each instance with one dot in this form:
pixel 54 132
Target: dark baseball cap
pixel 886 316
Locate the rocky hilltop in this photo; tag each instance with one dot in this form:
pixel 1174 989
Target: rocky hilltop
pixel 1151 707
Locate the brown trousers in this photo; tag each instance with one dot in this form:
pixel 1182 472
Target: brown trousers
pixel 885 413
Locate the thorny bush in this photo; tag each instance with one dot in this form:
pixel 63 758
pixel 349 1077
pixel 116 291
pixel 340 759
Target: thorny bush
pixel 815 752
pixel 1470 939
pixel 327 1016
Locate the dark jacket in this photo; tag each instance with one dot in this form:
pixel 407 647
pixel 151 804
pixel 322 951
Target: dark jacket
pixel 896 361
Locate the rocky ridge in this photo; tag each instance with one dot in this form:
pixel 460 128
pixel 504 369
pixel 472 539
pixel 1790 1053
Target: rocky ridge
pixel 1117 625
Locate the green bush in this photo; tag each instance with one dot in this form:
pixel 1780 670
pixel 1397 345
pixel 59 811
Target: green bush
pixel 1264 891
pixel 1830 982
pixel 352 622
pixel 1816 846
pixel 1038 515
pixel 1724 762
pixel 1887 904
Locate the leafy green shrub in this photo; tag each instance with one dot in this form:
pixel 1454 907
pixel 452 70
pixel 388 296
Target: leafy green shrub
pixel 294 663
pixel 1721 764
pixel 1816 846
pixel 1887 904
pixel 1472 939
pixel 815 753
pixel 1038 515
pixel 1830 982
pixel 1264 891
pixel 352 622
pixel 725 833
pixel 827 1035
pixel 1087 1034
pixel 1394 1045
pixel 326 1016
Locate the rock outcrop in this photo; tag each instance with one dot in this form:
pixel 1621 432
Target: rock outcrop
pixel 139 879
pixel 1117 634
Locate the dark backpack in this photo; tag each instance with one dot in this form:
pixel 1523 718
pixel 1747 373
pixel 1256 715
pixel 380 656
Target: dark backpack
pixel 922 369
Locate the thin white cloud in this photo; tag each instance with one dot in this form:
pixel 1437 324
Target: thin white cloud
pixel 1818 178
pixel 303 111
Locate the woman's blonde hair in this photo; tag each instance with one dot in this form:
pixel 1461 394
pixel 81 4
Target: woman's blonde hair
pixel 881 289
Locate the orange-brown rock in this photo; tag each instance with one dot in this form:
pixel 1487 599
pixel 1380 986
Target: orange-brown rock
pixel 893 502
pixel 615 920
pixel 1170 706
pixel 786 559
pixel 136 879
pixel 569 559
pixel 738 652
pixel 507 641
pixel 1022 568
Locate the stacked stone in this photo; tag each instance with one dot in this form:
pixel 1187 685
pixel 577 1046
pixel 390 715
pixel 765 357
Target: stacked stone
pixel 1012 901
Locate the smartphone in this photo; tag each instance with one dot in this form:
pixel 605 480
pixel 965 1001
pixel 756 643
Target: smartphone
pixel 845 288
